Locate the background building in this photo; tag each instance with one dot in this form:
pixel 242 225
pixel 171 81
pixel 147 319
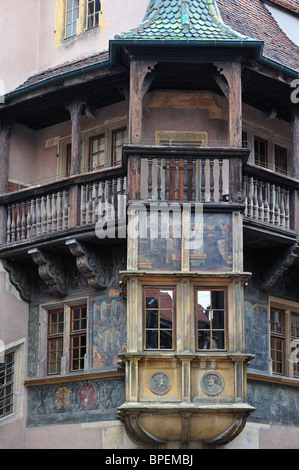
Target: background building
pixel 179 120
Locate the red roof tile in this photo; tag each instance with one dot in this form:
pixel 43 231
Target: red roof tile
pixel 253 19
pixel 292 5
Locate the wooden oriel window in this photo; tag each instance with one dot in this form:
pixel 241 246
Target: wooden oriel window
pixel 260 152
pixel 277 328
pixel 211 318
pixel 6 385
pixel 118 138
pixel 71 17
pixel 93 12
pixel 159 318
pixel 97 149
pixel 55 340
pixel 78 337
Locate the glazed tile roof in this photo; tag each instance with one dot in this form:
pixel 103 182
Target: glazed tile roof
pixel 179 20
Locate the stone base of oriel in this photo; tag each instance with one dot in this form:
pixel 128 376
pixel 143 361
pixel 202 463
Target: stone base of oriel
pixel 185 398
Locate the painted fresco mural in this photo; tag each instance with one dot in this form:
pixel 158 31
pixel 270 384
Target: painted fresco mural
pixel 75 402
pixel 108 335
pixel 160 248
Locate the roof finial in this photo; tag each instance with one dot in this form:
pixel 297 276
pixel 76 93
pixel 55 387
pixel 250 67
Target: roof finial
pixel 185 15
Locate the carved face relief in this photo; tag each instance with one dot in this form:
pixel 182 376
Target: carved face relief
pixel 160 383
pixel 212 384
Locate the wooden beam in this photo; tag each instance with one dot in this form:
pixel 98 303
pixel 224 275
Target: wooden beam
pixel 295 161
pixel 232 89
pixel 4 170
pixel 141 77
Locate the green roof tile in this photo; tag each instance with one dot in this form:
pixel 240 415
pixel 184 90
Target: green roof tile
pixel 182 19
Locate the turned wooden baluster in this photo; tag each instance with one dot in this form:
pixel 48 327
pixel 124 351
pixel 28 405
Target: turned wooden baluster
pixel 276 206
pixel 150 178
pixel 287 209
pixel 185 179
pixel 23 221
pixel 54 212
pixel 203 179
pixel 272 199
pixel 266 203
pixel 44 214
pixel 33 220
pixel 29 219
pixel 282 208
pixel 50 213
pixel 159 178
pixel 38 216
pixel 254 199
pixel 18 221
pixel 176 180
pixel 167 180
pixel 96 201
pixel 211 180
pixel 193 191
pixel 115 198
pixel 13 222
pixel 60 210
pixel 260 200
pixel 220 182
pixel 250 197
pixel 66 209
pixel 8 225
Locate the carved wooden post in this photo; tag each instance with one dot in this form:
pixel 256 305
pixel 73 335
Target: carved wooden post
pixel 295 165
pixel 233 92
pixel 75 110
pixel 4 167
pixel 141 77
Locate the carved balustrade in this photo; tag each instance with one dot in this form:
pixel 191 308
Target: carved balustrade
pixel 47 209
pixel 185 174
pixel 269 199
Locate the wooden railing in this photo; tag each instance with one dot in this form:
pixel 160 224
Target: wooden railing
pixel 48 209
pixel 185 174
pixel 268 200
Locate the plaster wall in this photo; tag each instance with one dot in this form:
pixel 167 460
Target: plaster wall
pixel 19 29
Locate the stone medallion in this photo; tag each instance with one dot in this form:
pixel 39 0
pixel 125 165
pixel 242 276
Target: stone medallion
pixel 212 384
pixel 160 383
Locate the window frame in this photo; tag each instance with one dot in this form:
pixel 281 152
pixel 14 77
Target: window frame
pixel 223 289
pixel 159 329
pixel 289 309
pixel 67 353
pixel 74 22
pixel 96 12
pixel 11 384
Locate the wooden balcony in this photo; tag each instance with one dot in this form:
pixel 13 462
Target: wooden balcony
pixel 60 208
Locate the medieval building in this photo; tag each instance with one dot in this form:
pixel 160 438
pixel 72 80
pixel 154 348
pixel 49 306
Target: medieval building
pixel 149 157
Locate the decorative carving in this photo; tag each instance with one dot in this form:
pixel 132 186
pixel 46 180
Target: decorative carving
pixel 19 278
pixel 212 384
pixel 51 270
pixel 280 266
pixel 160 383
pixel 88 263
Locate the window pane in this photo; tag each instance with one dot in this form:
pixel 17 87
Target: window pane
pixel 204 299
pixel 152 339
pixel 152 319
pixel 166 339
pixel 166 319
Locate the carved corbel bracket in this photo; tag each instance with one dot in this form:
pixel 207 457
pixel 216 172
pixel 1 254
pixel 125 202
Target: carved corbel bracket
pixel 51 270
pixel 19 278
pixel 88 263
pixel 279 267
